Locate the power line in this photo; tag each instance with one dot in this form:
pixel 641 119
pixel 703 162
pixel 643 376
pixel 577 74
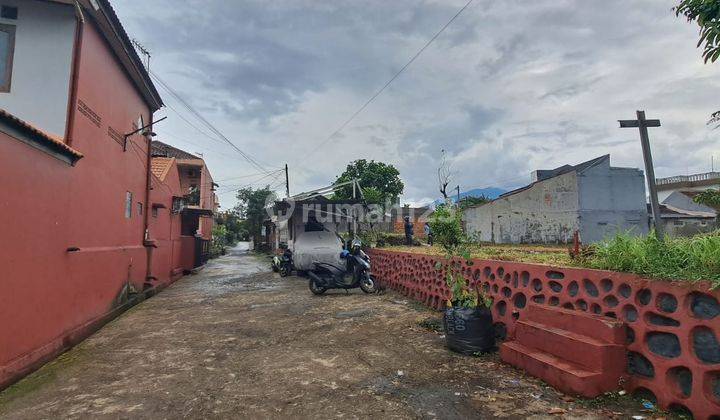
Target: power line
pixel 392 79
pixel 202 119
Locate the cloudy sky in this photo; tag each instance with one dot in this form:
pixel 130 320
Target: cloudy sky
pixel 509 87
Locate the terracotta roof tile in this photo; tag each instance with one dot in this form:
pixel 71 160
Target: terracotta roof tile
pixel 160 166
pixel 51 141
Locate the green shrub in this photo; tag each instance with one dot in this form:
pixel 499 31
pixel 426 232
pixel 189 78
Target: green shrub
pixel 696 258
pixel 446 225
pixel 219 241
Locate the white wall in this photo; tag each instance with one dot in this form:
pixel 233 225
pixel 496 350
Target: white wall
pixel 612 200
pixel 44 38
pixel 546 212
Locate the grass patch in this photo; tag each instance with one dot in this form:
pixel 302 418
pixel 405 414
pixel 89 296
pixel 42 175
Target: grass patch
pixel 692 259
pixel 688 259
pixel 539 254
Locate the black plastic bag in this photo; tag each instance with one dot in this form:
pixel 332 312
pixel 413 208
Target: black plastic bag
pixel 469 331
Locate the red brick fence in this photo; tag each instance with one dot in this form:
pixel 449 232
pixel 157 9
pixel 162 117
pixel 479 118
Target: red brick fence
pixel 673 328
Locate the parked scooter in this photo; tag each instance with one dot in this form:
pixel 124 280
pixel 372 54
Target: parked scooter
pixel 283 264
pixel 355 273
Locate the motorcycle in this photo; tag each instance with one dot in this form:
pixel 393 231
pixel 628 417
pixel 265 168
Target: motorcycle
pixel 283 264
pixel 356 273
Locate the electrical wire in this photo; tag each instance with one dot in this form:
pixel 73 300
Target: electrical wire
pixel 392 79
pixel 202 119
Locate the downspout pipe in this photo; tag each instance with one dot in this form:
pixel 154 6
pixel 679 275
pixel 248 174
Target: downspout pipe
pixel 74 73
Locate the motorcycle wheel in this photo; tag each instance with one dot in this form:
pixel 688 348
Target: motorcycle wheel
pixel 317 290
pixel 367 284
pixel 274 267
pixel 285 270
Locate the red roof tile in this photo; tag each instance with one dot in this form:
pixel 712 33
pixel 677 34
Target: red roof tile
pixel 160 166
pixel 54 142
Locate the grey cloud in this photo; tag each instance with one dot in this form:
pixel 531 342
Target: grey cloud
pixel 509 87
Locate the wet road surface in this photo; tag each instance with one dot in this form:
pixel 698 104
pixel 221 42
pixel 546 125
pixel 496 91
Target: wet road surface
pixel 236 340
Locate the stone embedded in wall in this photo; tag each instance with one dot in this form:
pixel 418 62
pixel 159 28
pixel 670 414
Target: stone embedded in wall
pixel 590 288
pixel 660 320
pixel 663 344
pixel 606 285
pixel 573 288
pixel 705 345
pixel 644 297
pixel 555 275
pixel 611 301
pixel 625 290
pixel 704 306
pixel 630 314
pixel 680 380
pixel 666 302
pixel 555 286
pixel 537 285
pixel 630 337
pixel 640 365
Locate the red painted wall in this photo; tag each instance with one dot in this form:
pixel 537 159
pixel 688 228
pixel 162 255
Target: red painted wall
pixel 49 295
pixel 164 228
pixel 674 328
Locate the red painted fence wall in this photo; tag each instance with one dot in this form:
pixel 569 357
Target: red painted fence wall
pixel 673 328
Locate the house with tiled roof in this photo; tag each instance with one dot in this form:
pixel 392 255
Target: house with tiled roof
pixel 183 205
pixel 76 107
pixel 592 198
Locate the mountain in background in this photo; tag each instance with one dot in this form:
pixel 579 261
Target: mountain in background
pixel 491 193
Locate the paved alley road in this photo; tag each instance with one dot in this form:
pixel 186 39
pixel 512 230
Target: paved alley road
pixel 239 341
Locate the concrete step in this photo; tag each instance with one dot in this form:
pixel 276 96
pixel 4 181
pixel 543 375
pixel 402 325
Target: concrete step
pixel 590 353
pixel 565 376
pixel 593 326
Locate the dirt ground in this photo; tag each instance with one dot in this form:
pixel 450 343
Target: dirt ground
pixel 239 341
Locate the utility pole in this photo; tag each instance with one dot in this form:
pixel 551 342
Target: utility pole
pixel 458 196
pixel 287 181
pixel 354 214
pixel 642 124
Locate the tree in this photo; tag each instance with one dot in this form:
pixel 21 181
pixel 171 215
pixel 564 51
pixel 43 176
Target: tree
pixel 468 201
pixel 707 15
pixel 235 226
pixel 251 207
pixel 445 175
pixel 709 198
pixel 380 182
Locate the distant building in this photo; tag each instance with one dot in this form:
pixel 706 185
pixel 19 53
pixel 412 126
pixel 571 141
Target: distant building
pixel 681 216
pixel 687 183
pixel 592 198
pixel 418 217
pixel 196 187
pixel 183 203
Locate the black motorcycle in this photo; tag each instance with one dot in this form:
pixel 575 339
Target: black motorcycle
pixel 283 264
pixel 355 273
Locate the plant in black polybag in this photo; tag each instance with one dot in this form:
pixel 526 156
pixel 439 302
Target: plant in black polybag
pixel 468 320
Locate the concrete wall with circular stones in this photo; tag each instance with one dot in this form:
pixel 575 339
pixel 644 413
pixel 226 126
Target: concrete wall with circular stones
pixel 673 332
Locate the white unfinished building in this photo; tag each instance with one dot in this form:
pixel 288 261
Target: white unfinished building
pixel 592 198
